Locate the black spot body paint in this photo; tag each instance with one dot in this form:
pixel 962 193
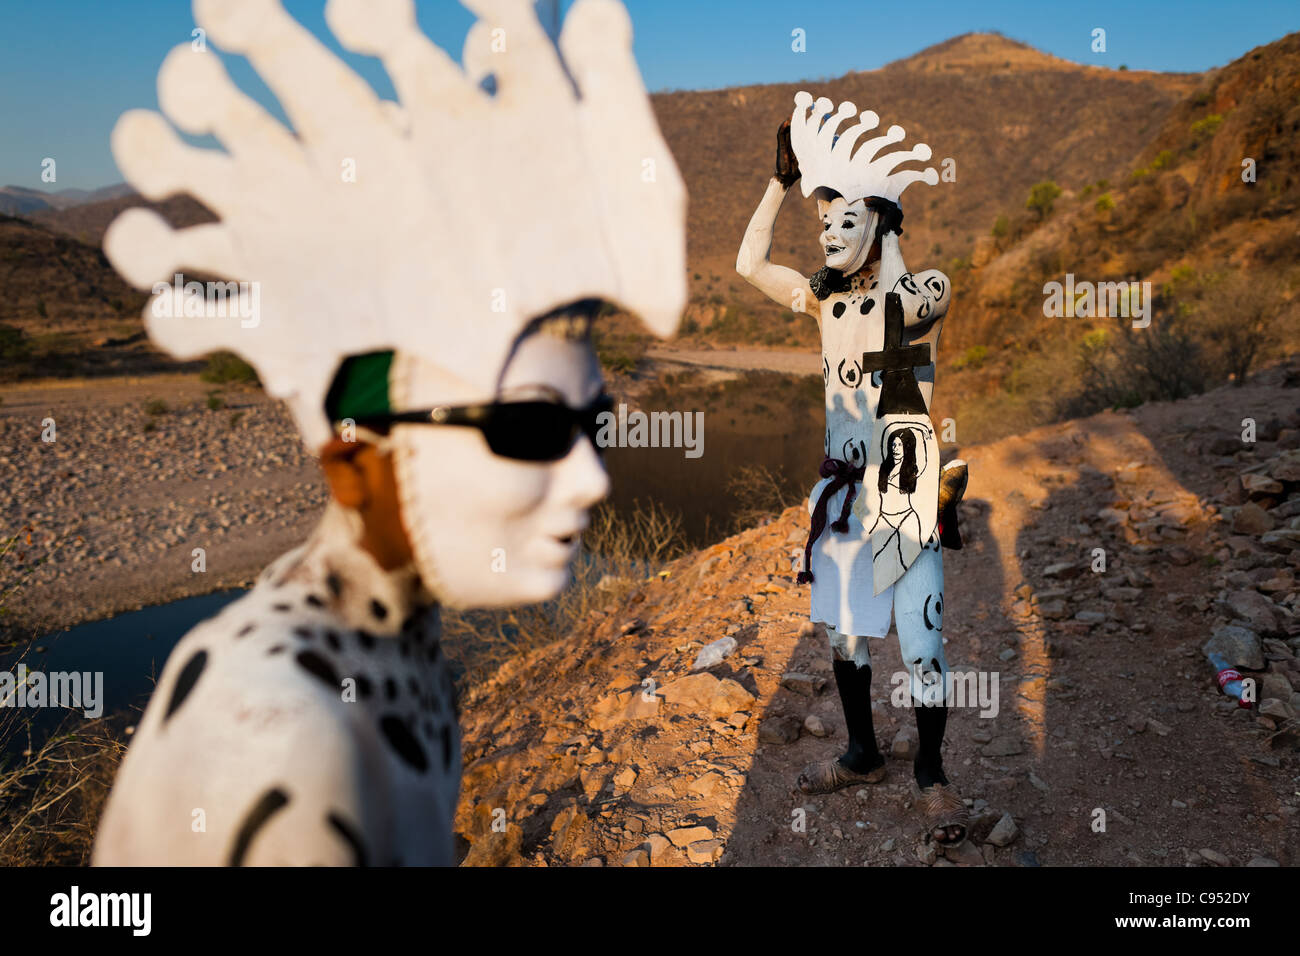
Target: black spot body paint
pixel 350 836
pixel 404 744
pixel 319 667
pixel 270 803
pixel 189 676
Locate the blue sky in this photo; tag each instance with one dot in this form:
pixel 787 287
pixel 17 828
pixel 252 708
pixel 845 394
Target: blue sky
pixel 69 68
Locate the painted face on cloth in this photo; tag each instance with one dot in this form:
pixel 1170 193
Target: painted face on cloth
pixel 487 530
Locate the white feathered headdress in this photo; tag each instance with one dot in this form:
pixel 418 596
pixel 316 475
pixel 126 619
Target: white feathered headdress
pixel 438 225
pixel 828 160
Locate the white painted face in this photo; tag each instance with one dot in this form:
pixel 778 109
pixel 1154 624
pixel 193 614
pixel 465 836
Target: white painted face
pixel 845 228
pixel 489 531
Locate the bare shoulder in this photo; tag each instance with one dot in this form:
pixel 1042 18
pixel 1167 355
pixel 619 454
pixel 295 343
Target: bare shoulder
pixel 934 283
pixel 243 727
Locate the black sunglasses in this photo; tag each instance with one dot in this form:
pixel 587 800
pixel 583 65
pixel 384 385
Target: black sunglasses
pixel 524 431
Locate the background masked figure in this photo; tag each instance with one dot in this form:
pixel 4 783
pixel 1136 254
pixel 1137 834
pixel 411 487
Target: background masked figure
pixel 877 488
pixel 426 321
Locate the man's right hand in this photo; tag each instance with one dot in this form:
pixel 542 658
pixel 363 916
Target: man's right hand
pixel 787 165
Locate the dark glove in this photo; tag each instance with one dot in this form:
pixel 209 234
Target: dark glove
pixel 787 165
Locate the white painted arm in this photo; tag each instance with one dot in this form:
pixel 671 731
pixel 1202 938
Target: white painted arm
pixel 779 283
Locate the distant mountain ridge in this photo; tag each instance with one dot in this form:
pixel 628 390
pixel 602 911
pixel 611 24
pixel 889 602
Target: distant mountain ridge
pixel 22 201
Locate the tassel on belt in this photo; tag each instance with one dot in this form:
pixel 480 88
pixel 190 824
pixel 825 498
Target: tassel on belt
pixel 841 474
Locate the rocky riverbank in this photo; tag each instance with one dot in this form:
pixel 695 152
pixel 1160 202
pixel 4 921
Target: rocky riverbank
pixel 140 473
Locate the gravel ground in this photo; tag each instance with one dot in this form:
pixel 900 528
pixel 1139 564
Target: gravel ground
pixel 107 516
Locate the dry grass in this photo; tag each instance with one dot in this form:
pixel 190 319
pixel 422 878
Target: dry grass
pixel 51 796
pixel 765 494
pixel 619 551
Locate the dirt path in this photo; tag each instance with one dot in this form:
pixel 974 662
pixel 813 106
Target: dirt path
pixel 605 749
pixel 792 362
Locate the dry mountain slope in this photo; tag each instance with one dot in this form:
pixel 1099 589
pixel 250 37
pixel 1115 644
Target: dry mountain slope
pixel 1007 114
pixel 1179 210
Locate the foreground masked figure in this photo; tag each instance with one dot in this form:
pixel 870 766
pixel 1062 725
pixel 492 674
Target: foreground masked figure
pixel 425 319
pixel 883 508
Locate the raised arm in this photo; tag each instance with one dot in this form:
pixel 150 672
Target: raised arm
pixel 779 283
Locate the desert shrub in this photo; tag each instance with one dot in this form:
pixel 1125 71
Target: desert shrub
pixel 973 357
pixel 215 401
pixel 1104 203
pixel 14 346
pixel 1236 318
pixel 154 407
pixel 1163 159
pixel 1041 197
pixel 1206 127
pixel 619 352
pixel 1124 367
pixel 224 368
pixel 760 493
pixel 1000 227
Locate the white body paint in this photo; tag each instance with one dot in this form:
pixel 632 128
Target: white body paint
pixel 844 593
pixel 257 722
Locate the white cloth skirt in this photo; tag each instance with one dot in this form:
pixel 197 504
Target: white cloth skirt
pixel 842 575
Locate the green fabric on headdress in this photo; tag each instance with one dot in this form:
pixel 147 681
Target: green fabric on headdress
pixel 360 388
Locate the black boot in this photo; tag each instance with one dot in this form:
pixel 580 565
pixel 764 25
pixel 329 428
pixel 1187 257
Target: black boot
pixel 854 685
pixel 930 725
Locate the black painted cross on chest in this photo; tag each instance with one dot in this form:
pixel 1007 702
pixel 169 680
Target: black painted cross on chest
pixel 897 363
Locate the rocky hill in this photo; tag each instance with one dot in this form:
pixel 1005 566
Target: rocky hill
pixel 608 749
pixel 1180 213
